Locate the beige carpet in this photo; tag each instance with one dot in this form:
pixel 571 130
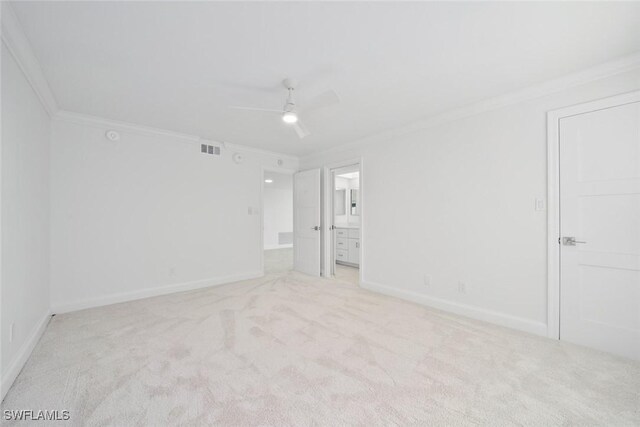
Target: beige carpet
pixel 293 350
pixel 278 260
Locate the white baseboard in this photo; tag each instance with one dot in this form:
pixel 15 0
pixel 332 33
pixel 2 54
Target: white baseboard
pixel 269 247
pixel 519 323
pixel 59 308
pixel 23 355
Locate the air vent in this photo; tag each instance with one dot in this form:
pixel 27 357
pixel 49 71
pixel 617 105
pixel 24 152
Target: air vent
pixel 210 149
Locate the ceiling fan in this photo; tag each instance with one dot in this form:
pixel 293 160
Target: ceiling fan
pixel 291 113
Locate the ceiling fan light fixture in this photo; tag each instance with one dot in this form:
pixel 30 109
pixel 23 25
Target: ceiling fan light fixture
pixel 289 117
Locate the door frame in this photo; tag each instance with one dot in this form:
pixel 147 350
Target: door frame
pixel 327 215
pixel 284 171
pixel 553 196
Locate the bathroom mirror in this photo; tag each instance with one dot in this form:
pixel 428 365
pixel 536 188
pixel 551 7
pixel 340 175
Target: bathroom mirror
pixel 355 204
pixel 340 201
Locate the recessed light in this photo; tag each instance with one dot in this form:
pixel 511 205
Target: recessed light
pixel 268 181
pixel 290 117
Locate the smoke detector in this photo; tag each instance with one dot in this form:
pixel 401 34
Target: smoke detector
pixel 112 135
pixel 238 158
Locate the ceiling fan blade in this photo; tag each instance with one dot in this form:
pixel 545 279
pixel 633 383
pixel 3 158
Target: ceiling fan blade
pixel 325 99
pixel 234 85
pixel 267 110
pixel 301 129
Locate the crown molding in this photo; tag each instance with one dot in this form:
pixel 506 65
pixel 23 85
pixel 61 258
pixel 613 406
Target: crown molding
pixel 247 149
pixel 18 45
pixel 102 123
pixel 607 69
pixel 99 122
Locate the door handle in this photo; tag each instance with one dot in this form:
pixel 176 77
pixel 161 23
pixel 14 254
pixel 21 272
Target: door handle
pixel 571 241
pixel 317 227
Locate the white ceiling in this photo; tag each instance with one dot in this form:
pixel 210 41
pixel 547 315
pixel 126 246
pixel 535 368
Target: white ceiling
pixel 180 65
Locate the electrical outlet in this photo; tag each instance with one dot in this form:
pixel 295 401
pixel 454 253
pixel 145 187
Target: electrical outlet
pixel 11 331
pixel 427 280
pixel 462 287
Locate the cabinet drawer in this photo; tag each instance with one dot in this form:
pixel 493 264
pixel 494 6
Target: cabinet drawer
pixel 342 255
pixel 341 243
pixel 354 233
pixel 342 232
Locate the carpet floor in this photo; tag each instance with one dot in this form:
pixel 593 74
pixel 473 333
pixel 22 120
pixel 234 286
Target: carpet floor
pixel 278 260
pixel 289 349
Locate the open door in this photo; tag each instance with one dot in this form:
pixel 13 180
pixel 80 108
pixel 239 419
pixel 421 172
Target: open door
pixel 306 207
pixel 600 229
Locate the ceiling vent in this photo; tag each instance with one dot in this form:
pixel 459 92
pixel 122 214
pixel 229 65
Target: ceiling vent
pixel 210 149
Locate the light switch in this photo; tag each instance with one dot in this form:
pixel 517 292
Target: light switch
pixel 540 205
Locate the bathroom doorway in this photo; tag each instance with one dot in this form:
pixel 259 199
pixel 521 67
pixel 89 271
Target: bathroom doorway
pixel 346 223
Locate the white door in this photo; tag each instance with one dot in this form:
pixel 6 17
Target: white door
pixel 306 202
pixel 600 229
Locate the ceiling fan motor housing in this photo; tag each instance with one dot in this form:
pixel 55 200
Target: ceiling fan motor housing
pixel 290 105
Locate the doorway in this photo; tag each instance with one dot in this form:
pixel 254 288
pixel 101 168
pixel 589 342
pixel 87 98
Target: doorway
pixel 316 228
pixel 594 217
pixel 277 227
pixel 345 223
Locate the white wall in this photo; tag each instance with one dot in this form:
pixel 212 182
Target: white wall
pixel 278 211
pixel 148 214
pixel 25 218
pixel 455 202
